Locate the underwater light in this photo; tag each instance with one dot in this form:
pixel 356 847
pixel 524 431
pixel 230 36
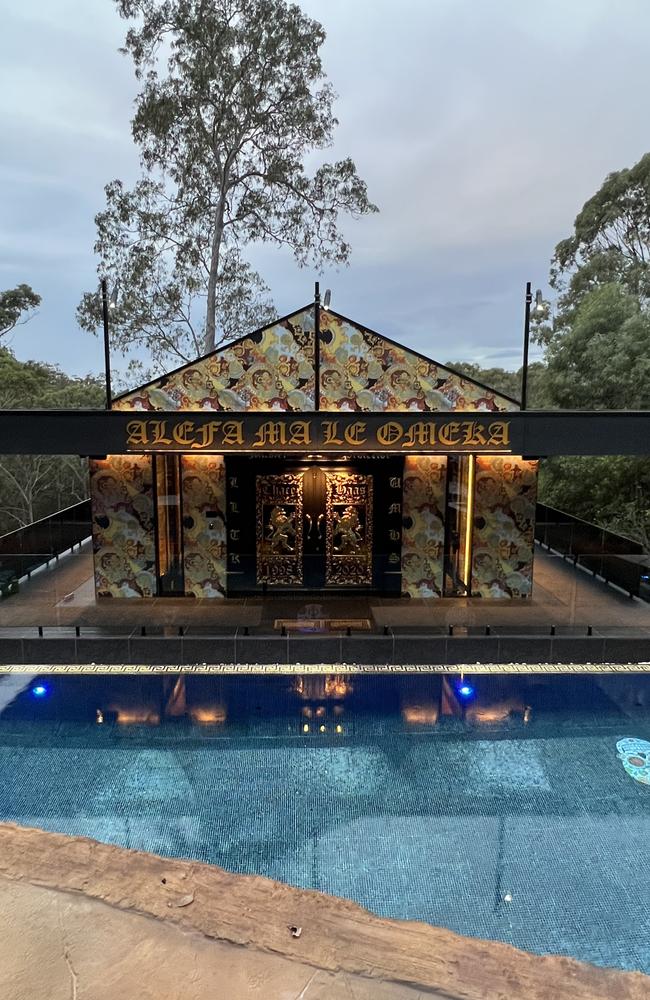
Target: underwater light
pixel 40 690
pixel 465 691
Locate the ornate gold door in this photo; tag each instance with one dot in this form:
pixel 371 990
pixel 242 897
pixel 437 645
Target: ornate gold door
pixel 348 516
pixel 279 533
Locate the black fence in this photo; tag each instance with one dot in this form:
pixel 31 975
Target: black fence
pixel 615 558
pixel 25 549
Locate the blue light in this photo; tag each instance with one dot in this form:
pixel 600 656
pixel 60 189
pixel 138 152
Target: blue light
pixel 40 690
pixel 465 691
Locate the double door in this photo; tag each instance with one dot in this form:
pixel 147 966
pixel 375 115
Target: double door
pixel 314 528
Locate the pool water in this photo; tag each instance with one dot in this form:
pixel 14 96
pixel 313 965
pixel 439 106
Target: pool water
pixel 386 790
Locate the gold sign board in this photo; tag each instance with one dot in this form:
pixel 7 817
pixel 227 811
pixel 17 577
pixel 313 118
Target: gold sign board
pixel 259 432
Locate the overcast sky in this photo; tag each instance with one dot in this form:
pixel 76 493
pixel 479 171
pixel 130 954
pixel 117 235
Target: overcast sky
pixel 480 127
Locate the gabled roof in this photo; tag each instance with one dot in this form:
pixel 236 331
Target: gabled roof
pixel 277 367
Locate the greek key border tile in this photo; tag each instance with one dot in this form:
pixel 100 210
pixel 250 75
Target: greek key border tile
pixel 324 668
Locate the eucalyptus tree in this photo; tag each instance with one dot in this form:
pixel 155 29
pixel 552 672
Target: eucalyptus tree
pixel 233 102
pixel 610 244
pixel 16 305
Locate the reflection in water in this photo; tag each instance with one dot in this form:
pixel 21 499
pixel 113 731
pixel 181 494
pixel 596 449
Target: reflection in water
pixel 207 715
pixel 317 705
pixel 312 687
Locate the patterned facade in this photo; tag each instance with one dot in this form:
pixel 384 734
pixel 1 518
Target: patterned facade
pixel 121 489
pixel 272 369
pixel 423 531
pixel 505 496
pixel 360 370
pixel 203 480
pixel 275 369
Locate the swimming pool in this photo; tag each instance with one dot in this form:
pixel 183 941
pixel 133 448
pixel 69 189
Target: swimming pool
pixel 505 815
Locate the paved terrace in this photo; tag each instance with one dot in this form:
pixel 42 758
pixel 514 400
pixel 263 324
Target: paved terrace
pixel 572 617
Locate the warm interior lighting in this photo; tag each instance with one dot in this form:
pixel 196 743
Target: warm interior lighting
pixel 420 715
pixel 208 715
pixel 137 717
pixel 99 716
pixel 305 728
pixel 339 728
pixel 323 729
pixel 467 568
pixel 337 687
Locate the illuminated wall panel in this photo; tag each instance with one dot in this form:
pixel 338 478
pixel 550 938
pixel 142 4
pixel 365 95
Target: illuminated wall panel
pixel 504 522
pixel 121 490
pixel 423 533
pixel 204 525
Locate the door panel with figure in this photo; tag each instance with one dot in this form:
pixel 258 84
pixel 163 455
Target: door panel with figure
pixel 312 525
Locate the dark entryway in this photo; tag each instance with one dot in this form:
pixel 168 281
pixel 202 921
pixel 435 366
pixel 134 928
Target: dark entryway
pixel 313 525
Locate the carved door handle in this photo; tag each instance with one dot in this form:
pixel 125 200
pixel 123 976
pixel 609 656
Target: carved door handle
pixel 309 525
pixel 319 523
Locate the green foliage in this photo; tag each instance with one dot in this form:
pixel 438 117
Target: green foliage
pixel 609 490
pixel 14 304
pixel 598 347
pixel 603 360
pixel 32 486
pixel 224 123
pixel 610 241
pixel 509 383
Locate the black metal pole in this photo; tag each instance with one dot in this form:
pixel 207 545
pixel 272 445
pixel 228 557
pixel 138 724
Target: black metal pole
pixel 107 346
pixel 524 371
pixel 317 346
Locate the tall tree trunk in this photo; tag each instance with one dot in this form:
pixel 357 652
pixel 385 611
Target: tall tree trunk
pixel 210 341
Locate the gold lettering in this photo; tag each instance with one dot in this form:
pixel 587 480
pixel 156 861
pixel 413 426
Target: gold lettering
pixel 159 428
pixel 233 432
pixel 352 434
pixel 331 429
pixel 233 507
pixel 300 431
pixel 234 534
pixel 395 482
pixel 393 558
pixel 233 482
pixel 270 433
pixel 206 434
pixel 395 508
pixel 184 434
pixel 420 433
pixel 389 433
pixel 393 535
pixel 474 434
pixel 137 433
pixel 499 433
pixel 448 433
pixel 234 557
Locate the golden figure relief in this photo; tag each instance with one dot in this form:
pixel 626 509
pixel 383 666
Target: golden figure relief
pixel 348 548
pixel 279 529
pixel 347 532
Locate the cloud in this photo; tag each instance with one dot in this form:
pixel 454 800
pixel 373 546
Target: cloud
pixel 481 129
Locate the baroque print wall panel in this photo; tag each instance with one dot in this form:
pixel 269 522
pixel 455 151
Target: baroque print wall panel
pixel 362 371
pixel 204 525
pixel 423 532
pixel 505 495
pixel 272 369
pixel 121 490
